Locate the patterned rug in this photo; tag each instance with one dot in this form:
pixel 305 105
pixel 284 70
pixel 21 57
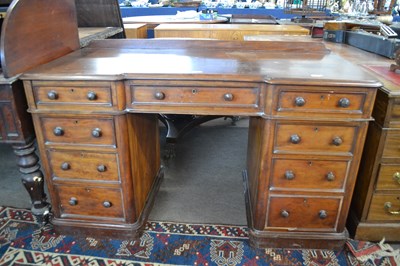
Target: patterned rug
pixel 23 241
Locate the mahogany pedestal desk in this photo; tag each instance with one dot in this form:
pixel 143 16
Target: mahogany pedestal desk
pixel 95 115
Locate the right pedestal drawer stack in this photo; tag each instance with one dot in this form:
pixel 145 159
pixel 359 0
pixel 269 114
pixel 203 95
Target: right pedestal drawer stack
pixel 375 209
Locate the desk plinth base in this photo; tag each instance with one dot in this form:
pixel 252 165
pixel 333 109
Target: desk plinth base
pixel 111 230
pixel 287 239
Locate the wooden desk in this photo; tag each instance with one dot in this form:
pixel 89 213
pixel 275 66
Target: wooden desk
pixel 225 31
pixel 135 31
pixel 95 113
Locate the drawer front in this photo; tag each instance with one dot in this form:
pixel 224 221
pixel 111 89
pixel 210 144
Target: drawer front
pixel 392 145
pixel 309 174
pixel 84 165
pixel 314 138
pixel 385 207
pixel 388 177
pixel 90 201
pixel 247 97
pixel 316 101
pixel 84 96
pixel 303 212
pixel 79 131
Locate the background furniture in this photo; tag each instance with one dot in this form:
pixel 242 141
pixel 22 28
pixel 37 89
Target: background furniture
pixel 100 13
pixel 225 31
pixel 135 31
pixel 16 125
pixel 375 212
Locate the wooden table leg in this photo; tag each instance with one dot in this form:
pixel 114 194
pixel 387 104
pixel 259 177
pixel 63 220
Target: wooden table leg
pixel 32 178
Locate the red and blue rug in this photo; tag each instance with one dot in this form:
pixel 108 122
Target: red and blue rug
pixel 23 241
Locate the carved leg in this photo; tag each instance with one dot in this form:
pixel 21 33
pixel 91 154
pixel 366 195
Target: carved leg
pixel 32 178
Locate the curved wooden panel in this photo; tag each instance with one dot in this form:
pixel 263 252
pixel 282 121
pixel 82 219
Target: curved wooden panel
pixel 35 32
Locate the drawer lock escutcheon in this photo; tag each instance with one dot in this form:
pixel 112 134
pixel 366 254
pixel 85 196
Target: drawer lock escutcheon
pixel 159 95
pixel 388 206
pixel 344 102
pixel 295 139
pixel 73 201
pixel 96 132
pixel 65 166
pixel 396 176
pixel 91 96
pixel 330 176
pixel 299 101
pixel 52 95
pixel 107 204
pixel 58 131
pixel 289 175
pixel 228 97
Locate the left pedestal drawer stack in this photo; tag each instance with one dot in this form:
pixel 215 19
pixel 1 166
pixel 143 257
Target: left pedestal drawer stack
pixel 91 156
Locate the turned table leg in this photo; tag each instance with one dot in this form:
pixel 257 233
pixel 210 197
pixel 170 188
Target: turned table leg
pixel 32 178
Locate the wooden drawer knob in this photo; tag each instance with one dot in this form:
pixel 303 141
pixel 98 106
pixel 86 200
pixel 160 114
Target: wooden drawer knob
pixel 289 175
pixel 228 97
pixel 337 141
pixel 344 102
pixel 91 96
pixel 159 95
pixel 396 176
pixel 96 132
pixel 73 201
pixel 330 176
pixel 52 95
pixel 65 166
pixel 285 213
pixel 322 214
pixel 58 131
pixel 107 204
pixel 388 206
pixel 299 101
pixel 295 139
pixel 101 168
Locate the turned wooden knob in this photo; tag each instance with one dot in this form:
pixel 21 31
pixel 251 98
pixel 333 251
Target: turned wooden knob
pixel 107 204
pixel 228 97
pixel 295 139
pixel 96 132
pixel 91 96
pixel 289 175
pixel 344 102
pixel 159 95
pixel 101 168
pixel 65 166
pixel 73 201
pixel 337 141
pixel 52 95
pixel 299 101
pixel 330 176
pixel 285 213
pixel 58 131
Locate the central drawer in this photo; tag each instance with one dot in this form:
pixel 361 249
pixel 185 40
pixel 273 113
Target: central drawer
pixel 314 138
pixel 303 212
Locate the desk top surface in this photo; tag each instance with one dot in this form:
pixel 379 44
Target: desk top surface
pixel 274 62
